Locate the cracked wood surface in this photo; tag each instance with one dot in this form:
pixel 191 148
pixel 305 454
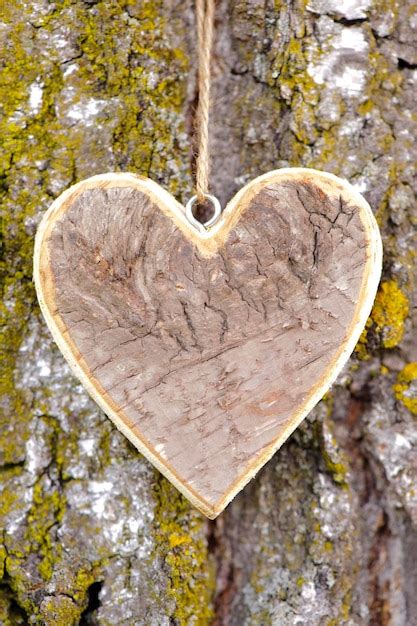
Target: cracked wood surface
pixel 208 351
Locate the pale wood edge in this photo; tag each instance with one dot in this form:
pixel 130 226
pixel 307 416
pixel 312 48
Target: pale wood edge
pixel 207 244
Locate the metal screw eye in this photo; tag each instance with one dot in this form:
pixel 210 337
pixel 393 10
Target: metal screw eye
pixel 217 211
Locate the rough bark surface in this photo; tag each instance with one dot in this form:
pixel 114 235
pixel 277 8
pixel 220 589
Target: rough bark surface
pixel 210 361
pixel 327 532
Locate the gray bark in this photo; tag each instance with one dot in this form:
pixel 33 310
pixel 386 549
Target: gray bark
pixel 326 534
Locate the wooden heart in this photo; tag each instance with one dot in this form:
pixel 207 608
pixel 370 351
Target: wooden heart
pixel 208 349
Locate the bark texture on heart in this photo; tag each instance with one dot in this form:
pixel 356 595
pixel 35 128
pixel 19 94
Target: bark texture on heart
pixel 207 350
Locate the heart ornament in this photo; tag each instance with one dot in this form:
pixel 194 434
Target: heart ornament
pixel 207 348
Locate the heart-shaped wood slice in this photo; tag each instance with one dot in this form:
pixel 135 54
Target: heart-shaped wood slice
pixel 208 349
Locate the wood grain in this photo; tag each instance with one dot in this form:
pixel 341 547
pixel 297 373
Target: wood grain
pixel 207 350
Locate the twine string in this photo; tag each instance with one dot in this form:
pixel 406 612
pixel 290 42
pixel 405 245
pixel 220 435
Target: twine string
pixel 205 28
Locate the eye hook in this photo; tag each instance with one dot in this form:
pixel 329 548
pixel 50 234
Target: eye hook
pixel 203 226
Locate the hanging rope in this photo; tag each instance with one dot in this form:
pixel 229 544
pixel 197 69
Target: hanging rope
pixel 205 27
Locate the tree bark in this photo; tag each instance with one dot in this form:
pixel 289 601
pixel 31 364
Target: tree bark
pixel 326 533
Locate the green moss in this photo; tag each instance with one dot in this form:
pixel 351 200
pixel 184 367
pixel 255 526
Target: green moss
pixel 328 546
pixel 337 470
pixel 293 70
pixel 84 578
pixel 386 321
pixel 405 388
pixel 295 80
pixel 146 80
pixel 47 509
pixel 334 459
pixel 54 610
pixel 182 547
pixel 4 609
pixel 361 349
pixel 7 501
pixel 60 611
pixel 383 80
pixel 10 612
pixel 24 141
pixel 389 313
pixel 150 84
pixel 3 555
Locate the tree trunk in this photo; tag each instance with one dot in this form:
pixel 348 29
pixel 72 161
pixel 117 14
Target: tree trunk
pixel 326 533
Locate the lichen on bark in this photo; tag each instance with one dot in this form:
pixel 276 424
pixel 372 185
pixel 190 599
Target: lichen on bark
pixel 90 532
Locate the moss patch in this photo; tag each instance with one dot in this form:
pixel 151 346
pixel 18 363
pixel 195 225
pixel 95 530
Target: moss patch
pixel 146 75
pixel 139 77
pixel 405 388
pixel 182 547
pixel 386 322
pixel 389 313
pixel 60 611
pixel 335 460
